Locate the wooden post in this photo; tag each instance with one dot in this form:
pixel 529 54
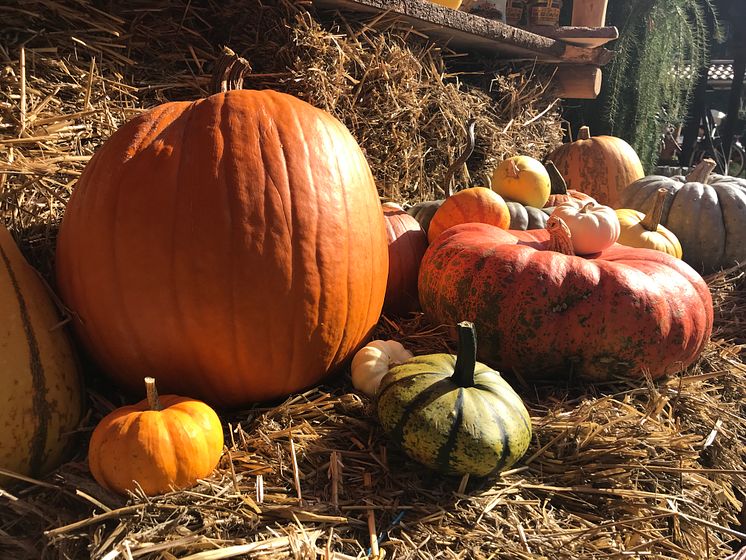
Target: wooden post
pixel 589 13
pixel 577 81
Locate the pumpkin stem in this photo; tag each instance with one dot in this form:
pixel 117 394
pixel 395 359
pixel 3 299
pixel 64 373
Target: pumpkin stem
pixel 560 237
pixel 152 393
pixel 652 219
pixel 584 133
pixel 701 173
pixel 466 355
pixel 461 160
pixel 559 185
pixel 584 209
pixel 229 71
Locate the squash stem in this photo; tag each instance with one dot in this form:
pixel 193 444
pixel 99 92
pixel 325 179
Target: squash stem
pixel 152 393
pixel 557 181
pixel 461 160
pixel 584 133
pixel 560 237
pixel 466 356
pixel 584 209
pixel 229 71
pixel 701 173
pixel 653 218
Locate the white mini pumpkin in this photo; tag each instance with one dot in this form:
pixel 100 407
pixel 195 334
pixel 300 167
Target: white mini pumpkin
pixel 594 227
pixel 373 361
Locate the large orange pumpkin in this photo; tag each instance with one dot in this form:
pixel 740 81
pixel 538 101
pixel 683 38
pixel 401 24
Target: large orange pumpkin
pixel 235 245
pixel 599 166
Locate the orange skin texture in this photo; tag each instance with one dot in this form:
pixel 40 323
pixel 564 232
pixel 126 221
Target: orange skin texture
pixel 601 167
pixel 235 245
pixel 476 204
pixel 407 244
pixel 161 450
pixel 544 314
pixel 574 197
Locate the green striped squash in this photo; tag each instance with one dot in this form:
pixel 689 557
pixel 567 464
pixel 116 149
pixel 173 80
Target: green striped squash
pixel 42 387
pixel 454 414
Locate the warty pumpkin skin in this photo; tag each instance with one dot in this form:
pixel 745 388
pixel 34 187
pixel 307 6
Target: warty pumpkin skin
pixel 599 166
pixel 706 213
pixel 42 386
pixel 454 414
pixel 407 243
pixel 159 444
pixel 546 314
pixel 235 245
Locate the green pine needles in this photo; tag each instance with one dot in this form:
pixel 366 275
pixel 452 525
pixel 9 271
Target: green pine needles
pixel 662 46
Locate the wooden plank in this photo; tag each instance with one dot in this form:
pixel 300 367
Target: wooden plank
pixel 589 13
pixel 590 37
pixel 463 31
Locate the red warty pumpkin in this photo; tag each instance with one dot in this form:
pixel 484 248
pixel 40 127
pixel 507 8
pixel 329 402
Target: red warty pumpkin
pixel 235 245
pixel 407 243
pixel 546 314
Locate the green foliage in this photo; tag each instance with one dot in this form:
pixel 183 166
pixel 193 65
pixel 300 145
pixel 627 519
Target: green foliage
pixel 658 40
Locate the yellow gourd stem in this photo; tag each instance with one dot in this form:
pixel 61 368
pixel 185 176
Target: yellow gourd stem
pixel 152 393
pixel 513 169
pixel 653 218
pixel 560 238
pixel 701 173
pixel 584 133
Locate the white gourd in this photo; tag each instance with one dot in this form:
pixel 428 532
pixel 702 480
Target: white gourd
pixel 373 361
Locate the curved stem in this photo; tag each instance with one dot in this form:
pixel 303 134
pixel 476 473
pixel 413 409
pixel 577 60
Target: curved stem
pixel 560 238
pixel 584 209
pixel 152 393
pixel 229 71
pixel 461 160
pixel 584 133
pixel 466 355
pixel 701 173
pixel 652 219
pixel 557 181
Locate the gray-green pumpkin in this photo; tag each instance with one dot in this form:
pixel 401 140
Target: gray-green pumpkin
pixel 527 217
pixel 454 414
pixel 705 211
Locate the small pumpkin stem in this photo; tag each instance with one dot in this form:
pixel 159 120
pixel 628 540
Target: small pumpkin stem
pixel 652 219
pixel 229 71
pixel 701 173
pixel 152 393
pixel 584 209
pixel 461 160
pixel 560 237
pixel 584 133
pixel 559 185
pixel 466 355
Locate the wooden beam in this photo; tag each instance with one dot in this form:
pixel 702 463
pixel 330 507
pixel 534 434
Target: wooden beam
pixel 589 13
pixel 464 31
pixel 580 36
pixel 577 81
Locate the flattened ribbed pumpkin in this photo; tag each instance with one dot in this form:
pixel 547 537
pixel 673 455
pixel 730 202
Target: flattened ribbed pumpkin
pixel 234 245
pixel 621 312
pixel 42 388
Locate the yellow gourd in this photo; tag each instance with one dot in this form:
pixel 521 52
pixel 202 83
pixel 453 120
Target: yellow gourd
pixel 645 231
pixel 522 179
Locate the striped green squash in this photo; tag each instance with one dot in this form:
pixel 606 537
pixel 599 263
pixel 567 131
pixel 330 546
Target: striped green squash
pixel 42 396
pixel 454 414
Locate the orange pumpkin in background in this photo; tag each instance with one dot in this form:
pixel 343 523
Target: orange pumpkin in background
pixel 599 166
pixel 235 245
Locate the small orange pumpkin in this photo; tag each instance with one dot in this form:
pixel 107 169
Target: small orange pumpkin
pixel 159 444
pixel 476 204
